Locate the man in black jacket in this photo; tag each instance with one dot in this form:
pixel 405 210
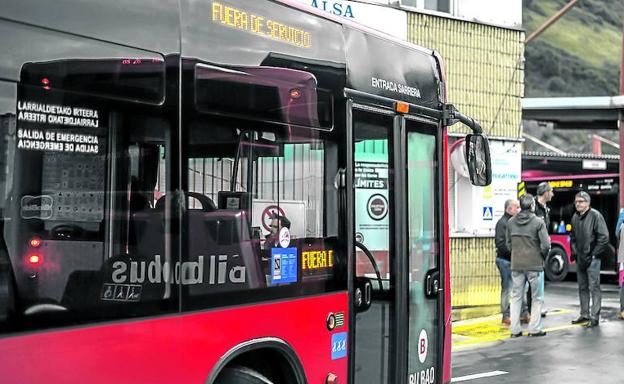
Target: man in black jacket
pixel 589 239
pixel 544 195
pixel 503 261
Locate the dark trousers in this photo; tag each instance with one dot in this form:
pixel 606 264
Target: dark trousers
pixel 589 284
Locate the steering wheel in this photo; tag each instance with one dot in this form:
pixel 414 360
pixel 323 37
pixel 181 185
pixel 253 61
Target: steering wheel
pixel 66 231
pixel 372 261
pixel 205 201
pixel 207 204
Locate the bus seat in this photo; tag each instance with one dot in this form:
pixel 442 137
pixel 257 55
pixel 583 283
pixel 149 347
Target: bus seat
pixel 218 233
pixel 160 203
pixel 138 202
pixel 147 234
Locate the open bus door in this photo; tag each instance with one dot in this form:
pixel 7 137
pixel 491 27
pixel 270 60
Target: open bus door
pixel 397 186
pixel 398 224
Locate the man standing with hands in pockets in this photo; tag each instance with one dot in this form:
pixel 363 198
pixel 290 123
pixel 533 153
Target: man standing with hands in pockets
pixel 528 240
pixel 589 240
pixel 503 263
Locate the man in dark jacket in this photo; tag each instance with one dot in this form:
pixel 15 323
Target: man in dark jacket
pixel 503 261
pixel 589 239
pixel 544 195
pixel 529 243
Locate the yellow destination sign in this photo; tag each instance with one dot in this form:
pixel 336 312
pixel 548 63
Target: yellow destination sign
pixel 315 260
pixel 260 25
pixel 561 183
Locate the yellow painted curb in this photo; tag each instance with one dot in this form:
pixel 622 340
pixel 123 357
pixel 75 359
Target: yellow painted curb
pixel 470 333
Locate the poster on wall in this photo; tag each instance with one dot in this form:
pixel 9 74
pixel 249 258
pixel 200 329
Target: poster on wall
pixel 506 174
pixel 477 209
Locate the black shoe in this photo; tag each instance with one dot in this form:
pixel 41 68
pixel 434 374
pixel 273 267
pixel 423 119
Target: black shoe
pixel 516 334
pixel 592 324
pixel 537 334
pixel 580 320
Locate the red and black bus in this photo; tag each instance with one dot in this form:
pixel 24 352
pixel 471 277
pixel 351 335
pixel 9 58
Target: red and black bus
pixel 180 186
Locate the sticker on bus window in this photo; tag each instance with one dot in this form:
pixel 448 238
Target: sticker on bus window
pixel 121 292
pixel 284 237
pixel 38 128
pixel 36 207
pixel 425 376
pixel 423 346
pixel 283 265
pixel 338 345
pixel 377 207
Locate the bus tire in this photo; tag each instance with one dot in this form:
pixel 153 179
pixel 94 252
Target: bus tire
pixel 241 375
pixel 556 266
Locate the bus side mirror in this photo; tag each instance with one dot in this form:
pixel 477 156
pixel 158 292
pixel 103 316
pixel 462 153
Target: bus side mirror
pixel 478 160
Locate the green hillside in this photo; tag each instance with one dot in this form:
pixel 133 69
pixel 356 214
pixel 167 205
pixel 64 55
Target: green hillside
pixel 577 56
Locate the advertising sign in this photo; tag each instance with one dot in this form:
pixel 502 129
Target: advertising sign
pixel 371 201
pixel 477 209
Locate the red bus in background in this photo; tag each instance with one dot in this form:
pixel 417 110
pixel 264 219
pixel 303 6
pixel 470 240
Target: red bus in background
pixel 604 192
pixel 181 193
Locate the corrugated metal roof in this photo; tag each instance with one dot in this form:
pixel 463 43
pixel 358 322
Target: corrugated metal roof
pixel 585 156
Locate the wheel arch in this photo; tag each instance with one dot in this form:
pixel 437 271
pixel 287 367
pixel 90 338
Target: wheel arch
pixel 563 242
pixel 265 349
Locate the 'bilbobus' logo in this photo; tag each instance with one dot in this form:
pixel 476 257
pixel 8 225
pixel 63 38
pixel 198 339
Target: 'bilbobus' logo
pixel 186 273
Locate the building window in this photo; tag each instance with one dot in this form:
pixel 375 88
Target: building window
pixel 431 5
pixel 438 5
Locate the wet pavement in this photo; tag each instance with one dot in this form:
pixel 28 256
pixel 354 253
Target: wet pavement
pixel 483 351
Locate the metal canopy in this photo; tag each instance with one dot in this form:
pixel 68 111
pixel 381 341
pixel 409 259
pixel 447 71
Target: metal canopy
pixel 575 112
pixel 570 163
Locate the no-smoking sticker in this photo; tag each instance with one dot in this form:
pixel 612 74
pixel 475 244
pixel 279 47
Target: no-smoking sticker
pixel 268 214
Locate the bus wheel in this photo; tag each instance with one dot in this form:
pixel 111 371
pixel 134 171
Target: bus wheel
pixel 556 266
pixel 241 375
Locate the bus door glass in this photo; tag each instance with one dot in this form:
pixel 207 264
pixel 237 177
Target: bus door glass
pixel 423 250
pixel 396 237
pixel 374 257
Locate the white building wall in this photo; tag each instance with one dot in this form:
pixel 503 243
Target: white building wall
pixel 383 18
pixel 506 13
